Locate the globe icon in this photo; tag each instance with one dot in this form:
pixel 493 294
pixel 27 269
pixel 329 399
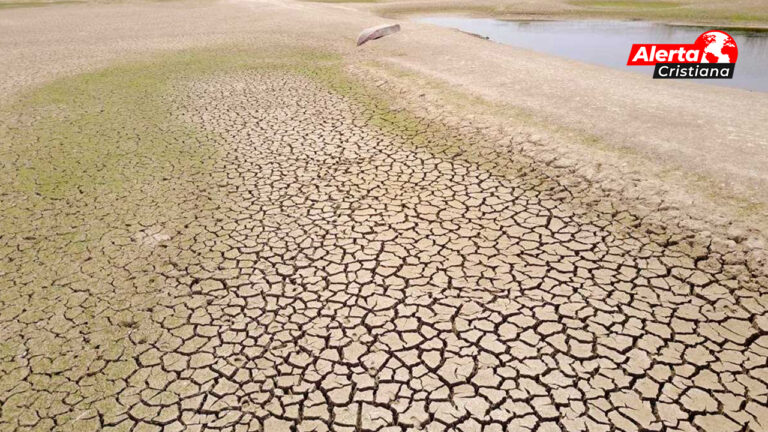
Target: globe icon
pixel 717 47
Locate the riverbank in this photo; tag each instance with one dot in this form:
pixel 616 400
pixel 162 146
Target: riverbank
pixel 717 13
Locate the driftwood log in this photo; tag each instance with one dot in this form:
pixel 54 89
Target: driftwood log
pixel 372 33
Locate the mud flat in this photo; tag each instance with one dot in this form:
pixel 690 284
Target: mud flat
pixel 224 216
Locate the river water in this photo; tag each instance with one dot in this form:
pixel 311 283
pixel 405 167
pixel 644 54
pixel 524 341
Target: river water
pixel 608 43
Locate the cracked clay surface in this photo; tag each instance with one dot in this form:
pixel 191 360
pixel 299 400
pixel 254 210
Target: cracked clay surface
pixel 331 275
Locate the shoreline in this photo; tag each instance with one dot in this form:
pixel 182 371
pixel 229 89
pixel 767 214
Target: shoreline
pixel 712 13
pixel 762 28
pixel 555 18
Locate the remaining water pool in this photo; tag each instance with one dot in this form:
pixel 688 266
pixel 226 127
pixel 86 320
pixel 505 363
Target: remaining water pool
pixel 608 42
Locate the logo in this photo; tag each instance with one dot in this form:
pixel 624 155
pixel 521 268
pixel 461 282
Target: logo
pixel 712 56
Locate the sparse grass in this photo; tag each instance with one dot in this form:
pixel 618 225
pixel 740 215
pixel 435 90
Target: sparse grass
pixel 400 10
pixel 627 4
pixel 13 5
pixel 42 3
pixel 668 11
pixel 681 14
pixel 99 130
pixel 86 163
pixel 344 1
pixel 110 129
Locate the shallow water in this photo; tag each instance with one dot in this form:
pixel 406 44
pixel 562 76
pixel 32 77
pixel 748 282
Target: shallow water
pixel 608 43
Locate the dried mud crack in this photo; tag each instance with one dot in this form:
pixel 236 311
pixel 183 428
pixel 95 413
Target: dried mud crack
pixel 335 267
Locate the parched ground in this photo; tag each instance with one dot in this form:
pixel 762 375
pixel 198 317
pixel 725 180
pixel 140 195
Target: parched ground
pixel 248 238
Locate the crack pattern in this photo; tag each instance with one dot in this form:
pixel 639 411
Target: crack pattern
pixel 339 279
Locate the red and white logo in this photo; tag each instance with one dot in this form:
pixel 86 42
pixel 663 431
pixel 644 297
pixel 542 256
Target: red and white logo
pixel 718 47
pixel 712 55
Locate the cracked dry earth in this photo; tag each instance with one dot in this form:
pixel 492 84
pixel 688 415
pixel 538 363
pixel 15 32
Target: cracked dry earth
pixel 338 277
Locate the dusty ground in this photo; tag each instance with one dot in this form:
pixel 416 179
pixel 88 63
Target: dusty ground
pixel 731 13
pixel 210 221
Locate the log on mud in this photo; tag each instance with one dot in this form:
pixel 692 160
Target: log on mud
pixel 372 33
